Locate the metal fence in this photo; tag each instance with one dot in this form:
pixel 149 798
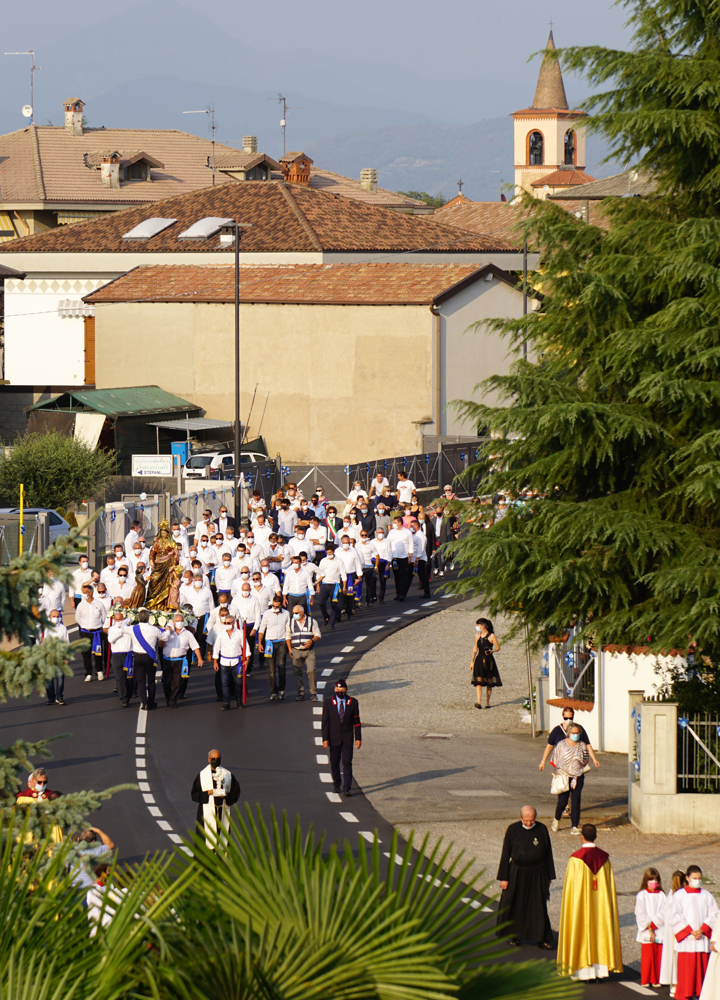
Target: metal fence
pixel 10 537
pixel 698 754
pixel 428 470
pixel 574 669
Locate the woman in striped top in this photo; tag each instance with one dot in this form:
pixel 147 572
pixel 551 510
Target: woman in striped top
pixel 570 757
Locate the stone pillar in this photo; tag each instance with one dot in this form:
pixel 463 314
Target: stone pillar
pixel 658 764
pixel 635 699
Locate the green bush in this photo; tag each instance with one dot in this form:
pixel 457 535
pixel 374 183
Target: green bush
pixel 55 470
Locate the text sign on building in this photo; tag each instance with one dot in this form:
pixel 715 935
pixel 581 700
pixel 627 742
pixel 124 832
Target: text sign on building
pixel 152 465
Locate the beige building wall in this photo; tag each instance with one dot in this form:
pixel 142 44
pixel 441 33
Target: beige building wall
pixel 345 383
pixel 553 129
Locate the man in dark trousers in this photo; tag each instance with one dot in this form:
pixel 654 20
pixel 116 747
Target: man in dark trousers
pixel 340 727
pixel 525 873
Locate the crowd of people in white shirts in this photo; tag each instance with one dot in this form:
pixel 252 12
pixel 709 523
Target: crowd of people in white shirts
pixel 266 580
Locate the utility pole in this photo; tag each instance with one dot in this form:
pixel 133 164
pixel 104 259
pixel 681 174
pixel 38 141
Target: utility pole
pixel 286 107
pixel 33 67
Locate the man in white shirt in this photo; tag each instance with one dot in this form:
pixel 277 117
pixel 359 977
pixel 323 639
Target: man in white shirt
pixel 246 609
pixel 287 520
pixel 146 639
pixel 261 529
pixel 120 656
pixel 272 645
pixel 378 485
pixel 401 552
pixel 205 527
pixel 331 585
pixel 121 586
pixel 80 576
pixel 253 548
pixel 199 597
pixel 52 595
pixel 275 554
pixel 297 544
pixel 316 536
pixel 108 574
pixel 207 554
pixel 353 566
pixel 229 654
pixel 298 583
pixel 90 617
pixel 226 575
pixel 368 553
pixel 420 557
pixel 180 538
pixel 231 542
pixel 132 536
pixel 179 646
pixel 55 688
pixel 405 488
pixel 270 580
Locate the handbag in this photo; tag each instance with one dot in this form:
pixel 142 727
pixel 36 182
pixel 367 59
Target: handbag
pixel 586 769
pixel 560 783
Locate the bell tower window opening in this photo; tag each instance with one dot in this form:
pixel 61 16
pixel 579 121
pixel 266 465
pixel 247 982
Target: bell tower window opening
pixel 535 149
pixel 569 148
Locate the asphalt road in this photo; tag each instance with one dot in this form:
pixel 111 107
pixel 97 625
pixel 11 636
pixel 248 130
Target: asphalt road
pixel 272 747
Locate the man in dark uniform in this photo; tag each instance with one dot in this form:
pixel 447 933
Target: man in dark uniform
pixel 525 873
pixel 340 727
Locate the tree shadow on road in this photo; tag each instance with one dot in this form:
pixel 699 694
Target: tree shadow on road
pixel 417 778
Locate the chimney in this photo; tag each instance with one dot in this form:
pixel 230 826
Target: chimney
pixel 368 179
pixel 110 169
pixel 73 115
pixel 249 144
pixel 296 168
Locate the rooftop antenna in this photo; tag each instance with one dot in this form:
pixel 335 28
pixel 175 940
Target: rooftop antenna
pixel 208 111
pixel 283 100
pixel 28 108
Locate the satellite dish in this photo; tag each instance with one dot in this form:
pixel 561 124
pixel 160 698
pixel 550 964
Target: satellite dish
pixel 27 110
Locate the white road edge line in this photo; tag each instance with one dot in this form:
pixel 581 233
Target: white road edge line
pixel 646 992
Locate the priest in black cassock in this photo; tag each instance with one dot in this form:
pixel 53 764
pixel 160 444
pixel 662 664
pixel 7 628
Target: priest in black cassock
pixel 525 873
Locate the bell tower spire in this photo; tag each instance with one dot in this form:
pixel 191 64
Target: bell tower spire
pixel 550 90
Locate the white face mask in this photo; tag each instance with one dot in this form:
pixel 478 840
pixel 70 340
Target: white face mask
pixel 245 576
pixel 204 544
pixel 83 565
pixel 179 626
pixel 477 628
pixel 264 569
pixel 197 584
pixel 226 563
pixel 276 611
pixel 380 535
pixel 176 533
pixel 246 594
pixel 695 883
pixel 193 553
pixel 55 620
pixel 331 555
pixel 137 551
pixel 346 545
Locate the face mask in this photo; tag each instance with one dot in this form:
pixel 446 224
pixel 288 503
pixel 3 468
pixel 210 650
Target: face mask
pixel 214 764
pixel 122 576
pixel 695 883
pixel 83 565
pixel 477 628
pixel 340 694
pixel 197 584
pixel 380 535
pixel 276 611
pixel 346 523
pixel 346 545
pixel 118 556
pixel 204 544
pixel 265 569
pixel 193 553
pixel 245 593
pixel 245 576
pixel 54 620
pixel 176 534
pixel 575 737
pixel 296 616
pixel 179 626
pixel 331 555
pixel 652 884
pixel 226 563
pixel 566 723
pixel 137 551
pixel 364 510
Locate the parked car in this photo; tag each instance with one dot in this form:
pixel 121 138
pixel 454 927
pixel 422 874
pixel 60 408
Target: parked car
pixel 58 524
pixel 218 464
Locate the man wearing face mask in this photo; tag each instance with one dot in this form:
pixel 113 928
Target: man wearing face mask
pixel 55 688
pixel 180 538
pixel 205 527
pixel 225 575
pixel 589 936
pixel 525 873
pixel 367 519
pixel 331 585
pixel 298 584
pixel 180 643
pixel 272 645
pixel 692 915
pixel 302 634
pixel 121 587
pixel 37 789
pixel 340 728
pixel 382 560
pixel 244 576
pixel 230 655
pixel 80 576
pixel 121 657
pixel 200 597
pixel 225 522
pixel 246 609
pixel 215 790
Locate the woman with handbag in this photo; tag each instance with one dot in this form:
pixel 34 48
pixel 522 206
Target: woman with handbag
pixel 570 760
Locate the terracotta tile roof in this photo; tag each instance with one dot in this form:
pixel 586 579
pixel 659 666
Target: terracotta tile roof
pixel 496 218
pixel 282 219
pixel 47 163
pixel 563 178
pixel 362 284
pixel 348 187
pixel 238 159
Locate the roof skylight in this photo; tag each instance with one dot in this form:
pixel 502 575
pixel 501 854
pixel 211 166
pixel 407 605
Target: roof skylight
pixel 148 228
pixel 204 228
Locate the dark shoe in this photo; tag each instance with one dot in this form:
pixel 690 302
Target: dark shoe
pixel 273 696
pixel 332 628
pixel 281 695
pixel 300 697
pixel 400 598
pixel 545 946
pixel 336 788
pixel 347 793
pixel 515 942
pixel 478 706
pixel 59 701
pixel 124 704
pixel 183 696
pixel 325 621
pixel 167 702
pixel 49 702
pixel 313 697
pixel 225 708
pixel 173 706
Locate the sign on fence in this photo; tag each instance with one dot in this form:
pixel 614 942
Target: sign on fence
pixel 152 465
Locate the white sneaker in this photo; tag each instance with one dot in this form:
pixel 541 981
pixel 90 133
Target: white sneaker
pixel 88 678
pixel 100 675
pixel 555 826
pixel 435 572
pixel 575 831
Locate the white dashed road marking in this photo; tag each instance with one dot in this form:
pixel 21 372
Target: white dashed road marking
pixel 349 817
pixel 638 988
pixel 360 638
pixel 367 835
pixel 393 619
pixel 376 628
pixel 326 673
pixel 429 604
pixel 336 659
pixel 347 649
pixel 326 777
pixel 322 758
pixel 333 796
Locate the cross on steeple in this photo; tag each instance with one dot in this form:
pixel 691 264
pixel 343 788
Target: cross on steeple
pixel 551 24
pixel 460 186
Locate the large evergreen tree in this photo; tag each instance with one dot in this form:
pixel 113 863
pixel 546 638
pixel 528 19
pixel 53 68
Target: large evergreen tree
pixel 616 424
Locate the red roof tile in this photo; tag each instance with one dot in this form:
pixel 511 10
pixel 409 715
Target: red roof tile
pixel 563 178
pixel 283 218
pixel 346 284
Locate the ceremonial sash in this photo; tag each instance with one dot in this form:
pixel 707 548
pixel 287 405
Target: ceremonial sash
pixel 332 533
pixel 128 664
pixel 137 632
pixel 97 642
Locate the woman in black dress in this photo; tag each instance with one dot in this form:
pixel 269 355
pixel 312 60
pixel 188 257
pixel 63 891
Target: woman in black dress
pixel 484 669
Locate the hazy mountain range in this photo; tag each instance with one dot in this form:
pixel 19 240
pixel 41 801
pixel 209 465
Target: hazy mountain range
pixel 145 70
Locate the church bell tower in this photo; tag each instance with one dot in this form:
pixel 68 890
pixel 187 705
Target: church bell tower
pixel 549 137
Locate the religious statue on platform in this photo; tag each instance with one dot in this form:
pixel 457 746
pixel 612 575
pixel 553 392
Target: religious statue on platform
pixel 164 557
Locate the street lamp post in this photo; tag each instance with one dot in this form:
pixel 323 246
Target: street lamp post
pixel 234 229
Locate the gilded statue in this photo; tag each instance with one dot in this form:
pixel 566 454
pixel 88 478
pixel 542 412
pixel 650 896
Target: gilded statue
pixel 164 558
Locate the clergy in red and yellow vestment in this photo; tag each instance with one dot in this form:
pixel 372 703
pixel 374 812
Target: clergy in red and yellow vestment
pixel 589 937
